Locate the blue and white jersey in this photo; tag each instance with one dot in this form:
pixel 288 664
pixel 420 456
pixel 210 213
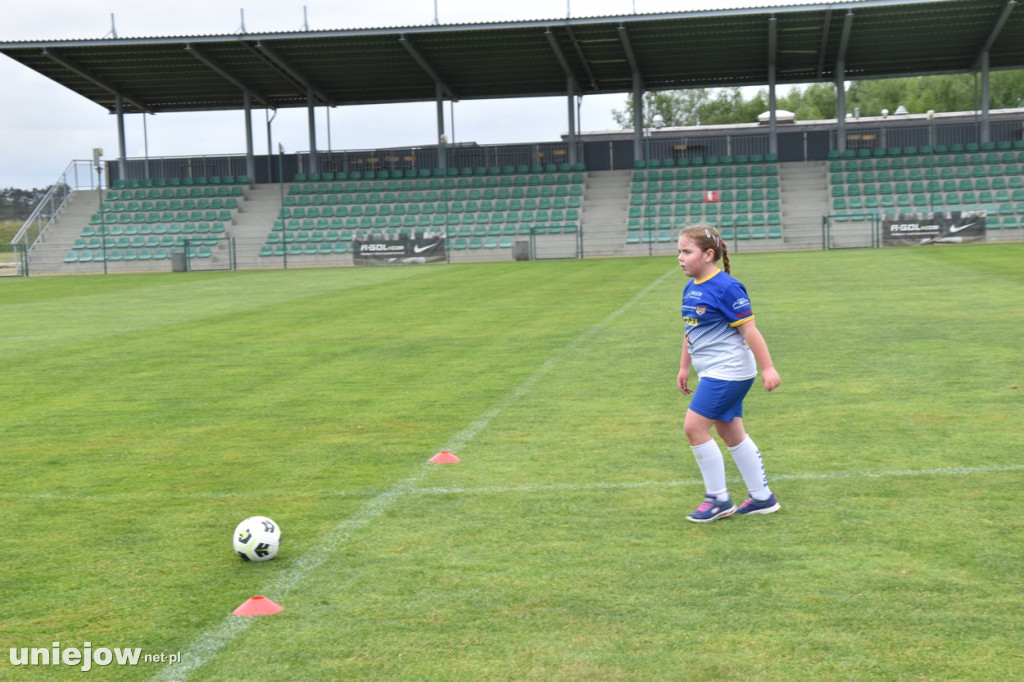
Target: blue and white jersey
pixel 712 309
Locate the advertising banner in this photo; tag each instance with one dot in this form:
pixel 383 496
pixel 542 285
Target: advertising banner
pixel 403 250
pixel 916 229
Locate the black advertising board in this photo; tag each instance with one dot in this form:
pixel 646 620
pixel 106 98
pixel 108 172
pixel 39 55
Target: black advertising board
pixel 916 229
pixel 400 250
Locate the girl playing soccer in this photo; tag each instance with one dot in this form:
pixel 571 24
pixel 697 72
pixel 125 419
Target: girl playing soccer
pixel 723 344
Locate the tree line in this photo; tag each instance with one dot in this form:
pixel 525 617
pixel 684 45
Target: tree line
pixel 17 204
pixel 918 95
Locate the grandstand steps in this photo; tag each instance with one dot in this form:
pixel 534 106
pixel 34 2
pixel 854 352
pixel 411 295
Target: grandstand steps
pixel 252 223
pixel 605 211
pixel 79 214
pixel 46 257
pixel 805 199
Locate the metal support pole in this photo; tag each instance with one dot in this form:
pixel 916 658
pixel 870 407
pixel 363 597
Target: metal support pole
pixel 270 147
pixel 572 121
pixel 250 159
pixel 145 140
pixel 442 154
pixel 579 124
pixel 638 117
pixel 314 166
pixel 773 133
pixel 97 162
pixel 121 154
pixel 840 107
pixel 985 133
pixel 280 172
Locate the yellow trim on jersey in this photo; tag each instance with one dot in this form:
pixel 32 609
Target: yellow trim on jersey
pixel 739 322
pixel 701 281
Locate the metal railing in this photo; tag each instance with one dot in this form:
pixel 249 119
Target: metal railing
pixel 927 134
pixel 77 176
pixel 142 172
pixel 458 156
pixel 664 146
pixel 149 172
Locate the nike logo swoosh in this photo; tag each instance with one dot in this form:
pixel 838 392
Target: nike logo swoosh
pixel 954 229
pixel 421 249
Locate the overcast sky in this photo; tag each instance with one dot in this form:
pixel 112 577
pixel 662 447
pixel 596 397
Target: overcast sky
pixel 44 126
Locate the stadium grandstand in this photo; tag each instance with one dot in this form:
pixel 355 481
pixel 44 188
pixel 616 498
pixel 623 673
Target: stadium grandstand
pixel 771 184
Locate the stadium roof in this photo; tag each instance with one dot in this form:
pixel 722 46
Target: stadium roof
pixel 715 48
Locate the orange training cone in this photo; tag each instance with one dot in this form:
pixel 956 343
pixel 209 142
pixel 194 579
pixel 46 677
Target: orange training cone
pixel 258 606
pixel 444 457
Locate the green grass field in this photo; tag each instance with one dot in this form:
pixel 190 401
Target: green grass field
pixel 9 228
pixel 142 417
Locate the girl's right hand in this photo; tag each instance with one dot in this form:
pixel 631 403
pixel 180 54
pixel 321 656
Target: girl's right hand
pixel 682 380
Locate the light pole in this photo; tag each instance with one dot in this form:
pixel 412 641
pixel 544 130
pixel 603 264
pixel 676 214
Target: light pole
pixel 657 121
pixel 280 174
pixel 270 145
pixel 97 155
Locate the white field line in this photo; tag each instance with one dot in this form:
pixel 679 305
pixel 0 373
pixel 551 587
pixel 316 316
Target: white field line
pixel 529 488
pixel 208 644
pixel 205 647
pixel 630 485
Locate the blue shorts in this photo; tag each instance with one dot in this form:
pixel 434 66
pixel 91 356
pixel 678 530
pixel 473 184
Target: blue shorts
pixel 720 399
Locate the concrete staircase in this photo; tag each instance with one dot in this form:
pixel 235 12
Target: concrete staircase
pixel 47 256
pixel 603 218
pixel 803 187
pixel 252 222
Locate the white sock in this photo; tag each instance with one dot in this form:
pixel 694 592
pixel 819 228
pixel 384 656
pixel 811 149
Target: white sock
pixel 712 469
pixel 748 461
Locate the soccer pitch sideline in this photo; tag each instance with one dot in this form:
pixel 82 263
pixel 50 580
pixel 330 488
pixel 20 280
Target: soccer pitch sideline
pixel 143 417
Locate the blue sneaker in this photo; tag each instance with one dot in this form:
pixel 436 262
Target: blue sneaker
pixel 711 509
pixel 752 506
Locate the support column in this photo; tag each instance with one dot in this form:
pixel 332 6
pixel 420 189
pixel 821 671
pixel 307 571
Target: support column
pixel 840 107
pixel 442 153
pixel 638 118
pixel 121 154
pixel 250 159
pixel 773 131
pixel 314 164
pixel 572 120
pixel 985 134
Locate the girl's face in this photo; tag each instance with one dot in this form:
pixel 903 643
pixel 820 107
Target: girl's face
pixel 694 262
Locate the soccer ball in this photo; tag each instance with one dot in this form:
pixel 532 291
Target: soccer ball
pixel 257 539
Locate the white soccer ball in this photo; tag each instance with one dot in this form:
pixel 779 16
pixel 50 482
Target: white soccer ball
pixel 257 539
